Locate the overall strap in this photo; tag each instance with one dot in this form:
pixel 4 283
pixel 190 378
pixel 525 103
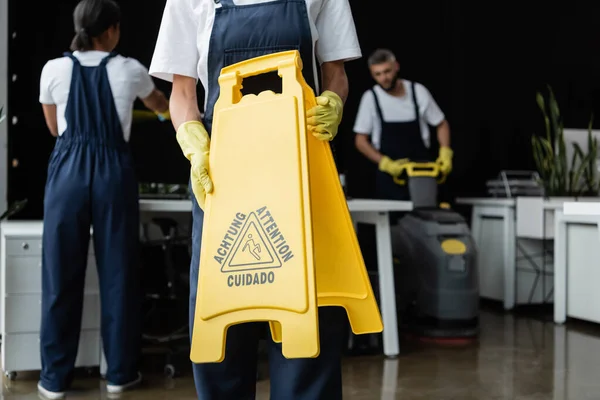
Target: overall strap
pixel 106 59
pixel 76 74
pixel 225 3
pixel 417 114
pixel 102 63
pixel 414 98
pixel 377 106
pixel 72 57
pixel 91 113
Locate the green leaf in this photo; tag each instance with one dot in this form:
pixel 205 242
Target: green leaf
pixel 560 176
pixel 547 145
pixel 542 105
pixel 554 110
pixel 539 158
pixel 540 100
pixel 584 170
pixel 572 179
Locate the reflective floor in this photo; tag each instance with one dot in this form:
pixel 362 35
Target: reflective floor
pixel 516 358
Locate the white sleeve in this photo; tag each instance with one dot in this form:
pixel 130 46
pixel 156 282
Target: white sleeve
pixel 337 32
pixel 45 85
pixel 176 51
pixel 364 117
pixel 432 112
pixel 144 85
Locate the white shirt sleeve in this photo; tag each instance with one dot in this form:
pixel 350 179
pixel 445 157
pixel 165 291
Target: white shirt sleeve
pixel 364 123
pixel 144 85
pixel 432 112
pixel 45 84
pixel 337 32
pixel 176 51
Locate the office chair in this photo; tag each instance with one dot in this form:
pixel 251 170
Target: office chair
pixel 166 290
pixel 165 285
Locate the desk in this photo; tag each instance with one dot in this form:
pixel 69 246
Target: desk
pixel 21 274
pixel 21 299
pixel 577 250
pixel 501 228
pixel 365 211
pixel 493 230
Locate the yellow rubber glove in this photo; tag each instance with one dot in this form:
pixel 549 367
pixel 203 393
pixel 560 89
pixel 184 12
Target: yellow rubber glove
pixel 445 160
pixel 394 168
pixel 165 116
pixel 195 144
pixel 324 119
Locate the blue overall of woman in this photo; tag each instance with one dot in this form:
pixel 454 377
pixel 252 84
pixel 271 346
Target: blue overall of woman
pixel 91 183
pixel 240 33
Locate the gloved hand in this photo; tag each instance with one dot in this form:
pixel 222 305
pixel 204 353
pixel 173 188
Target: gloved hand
pixel 165 116
pixel 394 168
pixel 324 119
pixel 195 143
pixel 445 160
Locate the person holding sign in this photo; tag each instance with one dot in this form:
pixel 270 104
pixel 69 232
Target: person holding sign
pixel 197 39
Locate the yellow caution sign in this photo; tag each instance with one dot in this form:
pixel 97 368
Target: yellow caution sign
pixel 257 262
pixel 342 278
pixel 278 240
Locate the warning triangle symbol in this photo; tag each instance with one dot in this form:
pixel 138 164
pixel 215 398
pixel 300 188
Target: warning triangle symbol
pixel 252 249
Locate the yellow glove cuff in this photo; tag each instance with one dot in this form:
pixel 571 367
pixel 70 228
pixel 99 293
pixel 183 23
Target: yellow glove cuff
pixel 335 101
pixel 192 137
pixel 446 152
pixel 333 97
pixel 385 163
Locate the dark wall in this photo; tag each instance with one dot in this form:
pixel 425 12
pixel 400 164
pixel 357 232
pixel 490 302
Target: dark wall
pixel 157 155
pixel 482 61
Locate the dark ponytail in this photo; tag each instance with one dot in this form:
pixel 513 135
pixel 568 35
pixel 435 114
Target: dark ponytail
pixel 81 41
pixel 91 19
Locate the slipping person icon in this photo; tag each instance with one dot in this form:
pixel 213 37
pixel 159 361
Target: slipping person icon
pixel 254 248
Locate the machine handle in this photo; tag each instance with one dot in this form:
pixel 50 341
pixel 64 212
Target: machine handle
pixel 421 169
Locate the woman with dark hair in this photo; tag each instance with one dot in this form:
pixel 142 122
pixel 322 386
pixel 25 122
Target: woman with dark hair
pixel 87 98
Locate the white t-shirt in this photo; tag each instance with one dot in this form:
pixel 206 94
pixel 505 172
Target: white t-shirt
pixel 128 79
pixel 183 41
pixel 397 109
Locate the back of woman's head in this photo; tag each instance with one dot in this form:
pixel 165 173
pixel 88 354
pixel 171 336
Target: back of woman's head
pixel 91 19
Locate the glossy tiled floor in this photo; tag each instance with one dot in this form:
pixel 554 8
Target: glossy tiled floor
pixel 517 358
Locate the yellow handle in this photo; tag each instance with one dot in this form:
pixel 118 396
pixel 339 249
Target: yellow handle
pixel 143 115
pixel 287 63
pixel 264 64
pixel 425 169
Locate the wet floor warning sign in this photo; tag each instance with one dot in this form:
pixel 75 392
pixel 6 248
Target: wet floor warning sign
pixel 256 262
pixel 253 241
pixel 261 241
pixel 252 244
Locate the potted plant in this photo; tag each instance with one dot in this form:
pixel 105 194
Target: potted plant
pixel 561 179
pixel 557 177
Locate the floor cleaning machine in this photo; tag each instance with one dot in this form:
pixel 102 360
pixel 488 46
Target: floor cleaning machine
pixel 435 258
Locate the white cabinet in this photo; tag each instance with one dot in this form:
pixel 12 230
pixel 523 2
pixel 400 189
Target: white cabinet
pixel 577 250
pixel 21 299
